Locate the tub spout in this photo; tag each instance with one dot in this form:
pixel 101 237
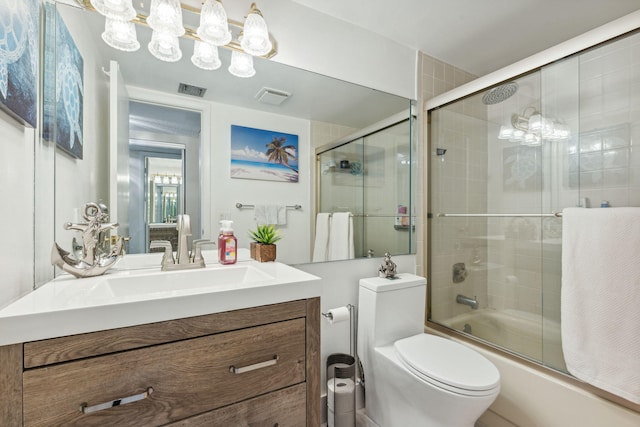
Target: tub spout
pixel 471 302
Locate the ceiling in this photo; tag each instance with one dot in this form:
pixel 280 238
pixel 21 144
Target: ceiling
pixel 476 36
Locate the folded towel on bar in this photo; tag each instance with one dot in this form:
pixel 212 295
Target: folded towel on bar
pixel 341 236
pixel 270 214
pixel 600 298
pixel 320 245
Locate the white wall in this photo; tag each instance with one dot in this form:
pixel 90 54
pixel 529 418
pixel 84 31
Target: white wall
pixel 294 248
pixel 76 182
pixel 326 45
pixel 16 215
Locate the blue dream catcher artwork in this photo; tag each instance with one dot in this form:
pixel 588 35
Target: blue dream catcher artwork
pixel 63 86
pixel 19 59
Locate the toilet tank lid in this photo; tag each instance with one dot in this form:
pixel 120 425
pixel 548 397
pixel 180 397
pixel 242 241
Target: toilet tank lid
pixel 448 362
pixel 400 281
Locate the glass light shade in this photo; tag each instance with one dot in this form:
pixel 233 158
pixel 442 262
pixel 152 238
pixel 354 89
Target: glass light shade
pixel 115 9
pixel 174 180
pixel 518 135
pixel 205 56
pixel 561 131
pixel 535 122
pixel 165 46
pixel 214 27
pixel 157 179
pixel 506 132
pixel 241 65
pixel 120 35
pixel 255 35
pixel 166 16
pixel 165 180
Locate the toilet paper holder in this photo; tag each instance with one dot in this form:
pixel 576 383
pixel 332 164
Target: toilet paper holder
pixel 329 315
pixel 352 323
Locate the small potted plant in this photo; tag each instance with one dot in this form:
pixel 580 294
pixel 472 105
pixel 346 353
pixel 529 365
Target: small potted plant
pixel 263 247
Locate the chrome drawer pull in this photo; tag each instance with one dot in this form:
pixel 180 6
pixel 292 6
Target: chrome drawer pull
pixel 85 409
pixel 255 366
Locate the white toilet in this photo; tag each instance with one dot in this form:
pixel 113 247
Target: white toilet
pixel 413 378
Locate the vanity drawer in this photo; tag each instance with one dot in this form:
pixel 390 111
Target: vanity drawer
pixel 186 377
pixel 283 408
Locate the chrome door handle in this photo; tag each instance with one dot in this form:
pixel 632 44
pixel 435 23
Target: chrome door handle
pixel 255 366
pixel 86 409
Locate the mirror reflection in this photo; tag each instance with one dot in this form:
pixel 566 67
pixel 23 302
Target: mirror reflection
pixel 176 135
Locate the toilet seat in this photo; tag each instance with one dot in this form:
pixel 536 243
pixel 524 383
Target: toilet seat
pixel 448 365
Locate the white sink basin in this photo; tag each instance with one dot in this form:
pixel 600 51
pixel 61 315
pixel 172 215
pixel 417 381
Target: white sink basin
pixel 121 298
pixel 182 280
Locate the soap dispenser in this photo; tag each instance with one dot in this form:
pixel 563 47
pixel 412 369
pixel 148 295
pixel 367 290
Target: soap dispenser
pixel 227 244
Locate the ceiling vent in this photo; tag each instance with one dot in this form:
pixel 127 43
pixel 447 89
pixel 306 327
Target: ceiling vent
pixel 272 96
pixel 191 90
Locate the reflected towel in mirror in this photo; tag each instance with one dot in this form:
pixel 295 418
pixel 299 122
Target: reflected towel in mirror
pixel 270 214
pixel 341 236
pixel 320 246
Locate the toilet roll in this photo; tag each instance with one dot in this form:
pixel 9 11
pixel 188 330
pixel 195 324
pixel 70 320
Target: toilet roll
pixel 338 315
pixel 341 395
pixel 348 419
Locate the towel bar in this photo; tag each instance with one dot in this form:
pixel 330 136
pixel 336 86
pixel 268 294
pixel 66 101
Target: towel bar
pixel 242 206
pixel 444 215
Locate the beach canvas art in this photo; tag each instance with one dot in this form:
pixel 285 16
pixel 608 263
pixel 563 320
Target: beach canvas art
pixel 63 86
pixel 19 59
pixel 263 154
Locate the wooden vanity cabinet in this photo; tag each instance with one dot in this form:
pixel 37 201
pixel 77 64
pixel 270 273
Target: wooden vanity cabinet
pixel 256 366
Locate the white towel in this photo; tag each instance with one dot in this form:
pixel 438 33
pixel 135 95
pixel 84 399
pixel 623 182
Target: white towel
pixel 600 298
pixel 341 236
pixel 320 245
pixel 270 214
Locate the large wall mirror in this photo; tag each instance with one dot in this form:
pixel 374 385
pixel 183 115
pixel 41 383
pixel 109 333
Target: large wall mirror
pixel 187 141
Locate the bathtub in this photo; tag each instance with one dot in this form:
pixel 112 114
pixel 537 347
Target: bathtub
pixel 516 331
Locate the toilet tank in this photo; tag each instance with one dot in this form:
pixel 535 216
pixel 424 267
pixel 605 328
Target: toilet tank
pixel 390 309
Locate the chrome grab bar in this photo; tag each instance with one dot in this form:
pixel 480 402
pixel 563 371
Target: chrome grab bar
pixel 86 409
pixel 255 366
pixel 488 215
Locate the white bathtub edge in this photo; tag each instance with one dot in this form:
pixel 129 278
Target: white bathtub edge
pixel 530 398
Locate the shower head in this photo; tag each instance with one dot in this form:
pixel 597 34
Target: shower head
pixel 500 93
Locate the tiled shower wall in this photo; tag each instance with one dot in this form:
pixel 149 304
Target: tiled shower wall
pixel 436 77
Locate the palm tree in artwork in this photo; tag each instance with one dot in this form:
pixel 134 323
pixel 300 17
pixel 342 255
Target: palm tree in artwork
pixel 279 153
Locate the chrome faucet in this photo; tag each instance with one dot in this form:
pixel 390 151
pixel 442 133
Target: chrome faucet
pixel 471 302
pixel 183 259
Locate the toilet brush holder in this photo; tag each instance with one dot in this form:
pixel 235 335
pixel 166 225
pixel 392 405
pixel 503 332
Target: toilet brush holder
pixel 341 390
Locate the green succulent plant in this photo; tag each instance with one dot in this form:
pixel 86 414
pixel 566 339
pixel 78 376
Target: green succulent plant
pixel 265 234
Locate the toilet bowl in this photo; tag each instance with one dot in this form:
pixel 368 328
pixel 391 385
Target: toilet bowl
pixel 413 378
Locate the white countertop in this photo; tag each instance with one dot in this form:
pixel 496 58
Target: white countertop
pixel 128 297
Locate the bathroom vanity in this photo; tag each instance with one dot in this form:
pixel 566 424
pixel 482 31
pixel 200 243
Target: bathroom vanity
pixel 236 366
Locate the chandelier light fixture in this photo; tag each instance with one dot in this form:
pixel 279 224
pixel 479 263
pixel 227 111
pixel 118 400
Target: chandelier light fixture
pixel 531 127
pixel 245 40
